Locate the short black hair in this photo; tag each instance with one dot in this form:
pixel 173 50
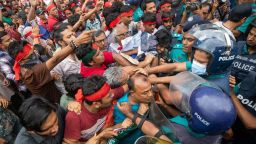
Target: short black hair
pixel 72 83
pixel 40 49
pixel 170 15
pixel 96 34
pixel 116 6
pixel 2 34
pixel 149 17
pixel 239 12
pixel 1 24
pixel 59 28
pixel 164 2
pixel 15 47
pixel 144 4
pixel 92 84
pixel 249 28
pixel 205 4
pixel 125 8
pixel 111 17
pixel 106 11
pixel 163 38
pixel 34 111
pixel 82 50
pixel 22 15
pixel 72 20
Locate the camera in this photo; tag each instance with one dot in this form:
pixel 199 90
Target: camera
pixel 192 6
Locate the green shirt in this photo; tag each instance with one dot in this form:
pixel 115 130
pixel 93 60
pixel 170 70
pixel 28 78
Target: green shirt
pixel 138 13
pixel 177 54
pixel 248 21
pixel 7 20
pixel 64 100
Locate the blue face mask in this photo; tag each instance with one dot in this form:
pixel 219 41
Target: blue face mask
pixel 198 68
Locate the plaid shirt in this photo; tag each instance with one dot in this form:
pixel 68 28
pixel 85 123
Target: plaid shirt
pixel 6 64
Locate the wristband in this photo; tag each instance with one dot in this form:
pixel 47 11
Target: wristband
pixel 73 45
pixel 135 117
pixel 141 122
pixel 158 134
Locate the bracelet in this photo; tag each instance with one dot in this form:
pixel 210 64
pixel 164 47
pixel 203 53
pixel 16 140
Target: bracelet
pixel 73 45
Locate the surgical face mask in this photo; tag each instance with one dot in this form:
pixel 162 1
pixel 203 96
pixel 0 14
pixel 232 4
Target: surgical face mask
pixel 198 68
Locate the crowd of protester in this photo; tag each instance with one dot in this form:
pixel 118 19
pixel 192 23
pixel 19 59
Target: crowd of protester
pixel 128 71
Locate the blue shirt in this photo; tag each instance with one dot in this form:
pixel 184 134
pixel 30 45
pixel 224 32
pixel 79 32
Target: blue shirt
pixel 119 117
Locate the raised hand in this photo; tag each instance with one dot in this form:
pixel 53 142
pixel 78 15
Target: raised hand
pixel 143 108
pixel 84 37
pixel 99 5
pixel 33 3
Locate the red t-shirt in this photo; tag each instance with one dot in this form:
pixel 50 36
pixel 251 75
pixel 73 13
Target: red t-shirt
pixel 82 127
pixel 51 22
pixel 89 71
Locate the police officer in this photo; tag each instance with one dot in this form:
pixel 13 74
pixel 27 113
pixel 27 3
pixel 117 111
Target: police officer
pixel 245 103
pixel 246 59
pixel 212 55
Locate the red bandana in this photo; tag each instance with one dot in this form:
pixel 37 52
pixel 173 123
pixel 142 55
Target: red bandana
pixel 51 6
pixel 165 5
pixel 25 51
pixel 165 19
pixel 102 92
pixel 114 22
pixel 148 23
pixel 130 13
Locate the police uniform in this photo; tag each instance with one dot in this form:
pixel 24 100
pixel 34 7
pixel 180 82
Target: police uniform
pixel 243 63
pixel 247 97
pixel 177 54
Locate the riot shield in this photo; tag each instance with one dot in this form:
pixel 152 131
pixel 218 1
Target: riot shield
pixel 181 87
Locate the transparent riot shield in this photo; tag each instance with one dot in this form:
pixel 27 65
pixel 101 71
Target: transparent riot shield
pixel 181 87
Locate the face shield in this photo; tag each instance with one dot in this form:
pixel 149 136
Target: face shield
pixel 218 44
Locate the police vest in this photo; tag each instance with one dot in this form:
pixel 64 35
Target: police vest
pixel 247 92
pixel 242 65
pixel 221 61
